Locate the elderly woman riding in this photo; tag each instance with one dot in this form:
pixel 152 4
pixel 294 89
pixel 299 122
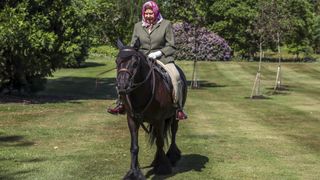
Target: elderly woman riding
pixel 157 42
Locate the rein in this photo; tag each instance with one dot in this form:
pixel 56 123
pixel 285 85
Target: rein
pixel 139 115
pixel 136 85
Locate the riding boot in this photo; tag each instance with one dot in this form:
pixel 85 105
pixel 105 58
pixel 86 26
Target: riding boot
pixel 181 115
pixel 119 109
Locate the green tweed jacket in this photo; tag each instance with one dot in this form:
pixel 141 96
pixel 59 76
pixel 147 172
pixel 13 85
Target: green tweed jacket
pixel 161 38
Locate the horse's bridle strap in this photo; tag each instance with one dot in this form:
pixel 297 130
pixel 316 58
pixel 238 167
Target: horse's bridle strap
pixel 125 70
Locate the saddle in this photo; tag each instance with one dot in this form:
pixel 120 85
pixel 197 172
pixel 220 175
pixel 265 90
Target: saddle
pixel 164 75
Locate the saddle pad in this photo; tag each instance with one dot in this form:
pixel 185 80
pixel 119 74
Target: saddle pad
pixel 161 68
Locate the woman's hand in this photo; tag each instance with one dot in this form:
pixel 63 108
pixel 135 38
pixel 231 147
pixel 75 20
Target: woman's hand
pixel 155 55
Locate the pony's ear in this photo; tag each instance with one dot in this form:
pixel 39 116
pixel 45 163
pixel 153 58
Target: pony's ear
pixel 136 45
pixel 120 44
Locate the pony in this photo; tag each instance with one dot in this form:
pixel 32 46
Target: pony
pixel 147 98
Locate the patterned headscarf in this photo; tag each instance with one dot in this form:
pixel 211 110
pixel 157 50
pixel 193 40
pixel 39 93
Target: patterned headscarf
pixel 155 10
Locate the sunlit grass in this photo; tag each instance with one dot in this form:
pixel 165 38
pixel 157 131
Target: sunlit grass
pixel 65 133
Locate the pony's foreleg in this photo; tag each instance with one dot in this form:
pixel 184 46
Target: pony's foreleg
pixel 161 164
pixel 174 153
pixel 134 172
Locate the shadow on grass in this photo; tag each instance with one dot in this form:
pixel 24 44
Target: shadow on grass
pixel 258 97
pixel 91 64
pixel 14 141
pixel 310 140
pixel 33 160
pixel 9 176
pixel 189 162
pixel 283 90
pixel 291 60
pixel 71 89
pixel 205 84
pixel 10 138
pixel 68 89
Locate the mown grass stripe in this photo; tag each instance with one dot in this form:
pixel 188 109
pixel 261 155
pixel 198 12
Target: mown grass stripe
pixel 227 136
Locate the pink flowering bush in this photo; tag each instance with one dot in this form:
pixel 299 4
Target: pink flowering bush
pixel 193 42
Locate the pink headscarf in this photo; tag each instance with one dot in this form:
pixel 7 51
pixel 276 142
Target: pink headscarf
pixel 155 10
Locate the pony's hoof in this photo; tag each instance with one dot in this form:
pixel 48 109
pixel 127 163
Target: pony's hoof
pixel 163 169
pixel 134 175
pixel 162 166
pixel 173 154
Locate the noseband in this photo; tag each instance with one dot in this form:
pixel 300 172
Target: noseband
pixel 138 116
pixel 133 85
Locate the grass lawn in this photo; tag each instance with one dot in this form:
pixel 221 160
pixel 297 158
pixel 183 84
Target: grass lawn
pixel 65 133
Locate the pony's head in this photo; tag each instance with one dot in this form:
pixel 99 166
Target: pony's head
pixel 128 64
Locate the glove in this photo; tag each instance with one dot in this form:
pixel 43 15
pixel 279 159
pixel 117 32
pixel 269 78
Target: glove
pixel 155 55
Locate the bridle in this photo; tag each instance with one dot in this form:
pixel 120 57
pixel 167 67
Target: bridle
pixel 133 86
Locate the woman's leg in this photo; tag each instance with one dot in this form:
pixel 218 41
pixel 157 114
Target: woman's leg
pixel 177 89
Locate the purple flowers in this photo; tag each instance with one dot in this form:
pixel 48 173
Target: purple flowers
pixel 199 43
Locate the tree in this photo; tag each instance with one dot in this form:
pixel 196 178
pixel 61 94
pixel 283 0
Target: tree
pixel 279 24
pixel 316 34
pixel 38 37
pixel 300 35
pixel 115 19
pixel 231 20
pixel 192 11
pixel 261 32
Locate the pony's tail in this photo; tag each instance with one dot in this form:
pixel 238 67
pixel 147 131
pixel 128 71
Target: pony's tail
pixel 166 132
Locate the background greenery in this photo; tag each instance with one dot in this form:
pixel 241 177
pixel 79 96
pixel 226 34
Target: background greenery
pixel 65 132
pixel 38 37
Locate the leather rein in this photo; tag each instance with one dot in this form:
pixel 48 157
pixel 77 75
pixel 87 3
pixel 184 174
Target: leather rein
pixel 139 115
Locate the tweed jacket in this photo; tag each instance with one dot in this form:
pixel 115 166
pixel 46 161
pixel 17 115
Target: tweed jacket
pixel 161 38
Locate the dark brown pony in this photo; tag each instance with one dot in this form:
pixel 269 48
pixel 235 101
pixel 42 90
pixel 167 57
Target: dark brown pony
pixel 147 99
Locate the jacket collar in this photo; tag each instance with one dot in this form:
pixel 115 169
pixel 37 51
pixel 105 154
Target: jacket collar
pixel 153 28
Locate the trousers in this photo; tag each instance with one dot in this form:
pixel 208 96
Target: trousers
pixel 176 82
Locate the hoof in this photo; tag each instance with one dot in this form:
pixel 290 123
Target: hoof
pixel 162 167
pixel 134 175
pixel 173 154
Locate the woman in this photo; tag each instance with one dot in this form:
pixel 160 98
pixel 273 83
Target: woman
pixel 157 41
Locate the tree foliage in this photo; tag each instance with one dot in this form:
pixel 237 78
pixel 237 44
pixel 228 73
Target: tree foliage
pixel 231 19
pixel 37 37
pixel 316 34
pixel 300 35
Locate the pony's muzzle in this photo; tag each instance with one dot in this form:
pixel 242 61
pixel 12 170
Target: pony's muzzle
pixel 123 83
pixel 122 91
pixel 122 88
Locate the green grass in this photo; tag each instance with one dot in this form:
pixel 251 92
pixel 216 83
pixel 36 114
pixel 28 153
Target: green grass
pixel 65 133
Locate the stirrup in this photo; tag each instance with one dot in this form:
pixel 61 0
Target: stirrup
pixel 180 115
pixel 119 109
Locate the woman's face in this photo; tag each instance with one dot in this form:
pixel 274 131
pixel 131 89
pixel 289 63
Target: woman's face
pixel 149 16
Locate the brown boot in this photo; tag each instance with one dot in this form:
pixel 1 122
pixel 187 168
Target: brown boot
pixel 180 115
pixel 119 109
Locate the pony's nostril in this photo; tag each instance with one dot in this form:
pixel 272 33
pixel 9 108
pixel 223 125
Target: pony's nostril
pixel 122 91
pixel 122 86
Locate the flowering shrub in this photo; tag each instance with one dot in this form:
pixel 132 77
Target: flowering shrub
pixel 193 42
